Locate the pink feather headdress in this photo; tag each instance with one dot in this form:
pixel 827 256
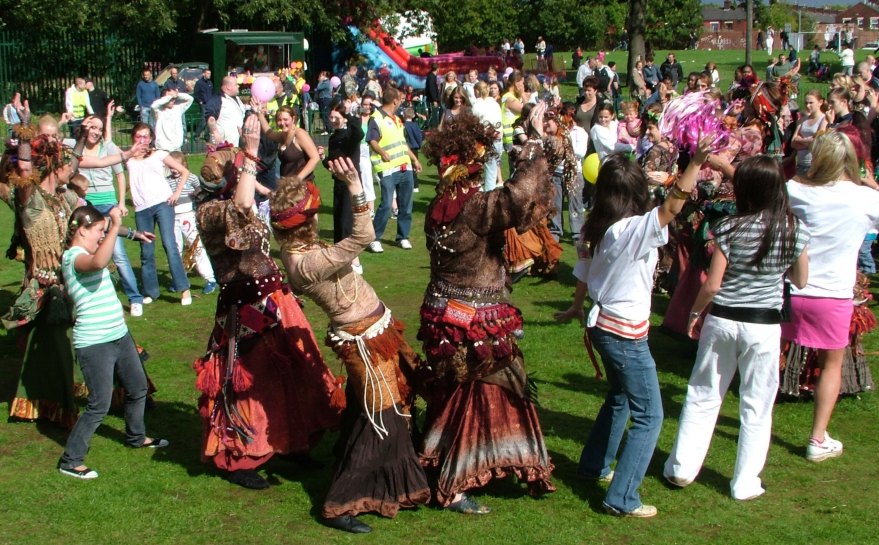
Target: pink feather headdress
pixel 691 115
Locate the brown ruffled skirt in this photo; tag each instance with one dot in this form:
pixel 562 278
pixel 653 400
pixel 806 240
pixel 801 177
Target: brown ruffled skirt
pixel 480 430
pixel 379 474
pixel 536 244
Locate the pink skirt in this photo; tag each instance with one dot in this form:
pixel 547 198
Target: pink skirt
pixel 819 322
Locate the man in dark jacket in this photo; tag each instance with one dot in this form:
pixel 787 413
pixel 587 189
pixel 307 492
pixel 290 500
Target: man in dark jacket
pixel 432 95
pixel 672 70
pixel 202 93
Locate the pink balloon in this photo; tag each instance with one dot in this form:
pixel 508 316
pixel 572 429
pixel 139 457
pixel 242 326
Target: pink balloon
pixel 306 88
pixel 263 89
pixel 335 81
pixel 508 71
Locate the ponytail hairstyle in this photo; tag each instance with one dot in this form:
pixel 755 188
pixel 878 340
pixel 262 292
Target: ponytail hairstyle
pixel 84 216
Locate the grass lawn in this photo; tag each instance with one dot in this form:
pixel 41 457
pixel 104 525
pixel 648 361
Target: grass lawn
pixel 169 496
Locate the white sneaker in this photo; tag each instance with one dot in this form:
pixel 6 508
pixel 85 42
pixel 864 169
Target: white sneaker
pixel 375 247
pixel 186 298
pixel 829 448
pixel 136 310
pixel 405 244
pixel 147 300
pixel 680 482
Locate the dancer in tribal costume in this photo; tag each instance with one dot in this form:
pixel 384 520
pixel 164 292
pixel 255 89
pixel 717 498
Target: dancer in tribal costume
pixel 378 470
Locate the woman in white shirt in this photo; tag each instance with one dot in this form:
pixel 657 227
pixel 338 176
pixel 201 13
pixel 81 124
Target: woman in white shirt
pixel 617 258
pixel 154 204
pixel 487 110
pixel 838 211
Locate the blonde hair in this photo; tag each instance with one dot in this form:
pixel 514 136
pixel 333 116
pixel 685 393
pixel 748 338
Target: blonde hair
pixel 480 89
pixel 833 157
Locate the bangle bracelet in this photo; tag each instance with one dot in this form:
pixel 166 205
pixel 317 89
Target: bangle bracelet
pixel 359 208
pixel 253 158
pixel 244 169
pixel 359 199
pixel 130 235
pixel 678 193
pixel 695 314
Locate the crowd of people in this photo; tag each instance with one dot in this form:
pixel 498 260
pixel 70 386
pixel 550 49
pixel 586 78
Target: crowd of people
pixel 752 216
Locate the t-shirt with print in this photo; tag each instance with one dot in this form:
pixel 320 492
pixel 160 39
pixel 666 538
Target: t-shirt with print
pixel 746 285
pixel 97 313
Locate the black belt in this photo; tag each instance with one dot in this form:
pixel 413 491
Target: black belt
pixel 750 315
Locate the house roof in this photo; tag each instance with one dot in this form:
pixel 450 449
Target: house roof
pixel 720 14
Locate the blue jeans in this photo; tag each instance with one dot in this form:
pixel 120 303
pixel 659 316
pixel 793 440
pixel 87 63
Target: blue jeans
pixel 146 220
pixel 120 258
pixel 99 363
pixel 489 171
pixel 634 389
pixel 146 116
pixel 401 182
pixel 866 264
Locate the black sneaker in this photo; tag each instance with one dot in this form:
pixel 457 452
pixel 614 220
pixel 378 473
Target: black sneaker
pixel 155 443
pixel 84 474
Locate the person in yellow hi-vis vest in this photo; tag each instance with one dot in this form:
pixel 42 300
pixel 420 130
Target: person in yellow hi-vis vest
pixel 77 105
pixel 512 102
pixel 392 161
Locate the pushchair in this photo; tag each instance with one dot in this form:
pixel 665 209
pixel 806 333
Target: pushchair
pixel 823 73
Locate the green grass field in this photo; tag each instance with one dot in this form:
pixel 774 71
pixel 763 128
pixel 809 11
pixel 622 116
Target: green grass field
pixel 170 497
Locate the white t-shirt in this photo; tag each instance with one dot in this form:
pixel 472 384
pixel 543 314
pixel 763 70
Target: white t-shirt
pixel 605 141
pixel 488 111
pixel 838 215
pixel 231 118
pixel 620 277
pixel 847 57
pixel 146 177
pixel 169 121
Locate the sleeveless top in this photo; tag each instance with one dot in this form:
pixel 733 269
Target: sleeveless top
pixel 292 160
pixel 804 156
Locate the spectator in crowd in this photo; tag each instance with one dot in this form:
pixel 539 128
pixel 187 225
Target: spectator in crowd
pixel 583 72
pixel 651 74
pixel 97 98
pixel 432 95
pixel 202 92
pixel 174 82
pixel 12 112
pixel 639 86
pixel 225 113
pixel 393 162
pixel 814 60
pixel 77 105
pixel 147 92
pixel 672 70
pixel 169 112
pixel 350 85
pixel 324 97
pixel 488 111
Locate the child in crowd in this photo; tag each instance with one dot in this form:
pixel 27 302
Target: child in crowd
pixel 185 227
pixel 103 345
pixel 414 137
pixel 604 133
pixel 629 130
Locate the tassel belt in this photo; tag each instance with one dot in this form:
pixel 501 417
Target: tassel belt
pixel 749 315
pixel 376 381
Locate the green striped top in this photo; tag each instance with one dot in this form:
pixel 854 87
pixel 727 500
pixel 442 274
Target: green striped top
pixel 97 310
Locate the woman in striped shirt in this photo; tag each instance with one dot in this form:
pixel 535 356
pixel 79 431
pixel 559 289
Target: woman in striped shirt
pixel 100 337
pixel 618 255
pixel 752 252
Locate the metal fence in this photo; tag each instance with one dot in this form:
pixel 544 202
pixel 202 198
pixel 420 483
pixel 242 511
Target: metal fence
pixel 42 67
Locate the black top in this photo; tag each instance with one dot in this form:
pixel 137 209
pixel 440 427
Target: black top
pixel 346 143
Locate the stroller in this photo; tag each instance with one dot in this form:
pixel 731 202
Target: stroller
pixel 822 75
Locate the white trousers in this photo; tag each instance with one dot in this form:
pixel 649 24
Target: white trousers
pixel 185 228
pixel 724 347
pixel 367 180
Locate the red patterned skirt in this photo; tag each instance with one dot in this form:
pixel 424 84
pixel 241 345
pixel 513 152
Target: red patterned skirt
pixel 276 395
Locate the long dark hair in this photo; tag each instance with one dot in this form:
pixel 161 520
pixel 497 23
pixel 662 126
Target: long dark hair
pixel 621 191
pixel 84 216
pixel 760 190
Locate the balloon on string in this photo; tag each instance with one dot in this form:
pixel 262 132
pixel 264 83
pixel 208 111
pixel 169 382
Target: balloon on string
pixel 263 89
pixel 591 164
pixel 306 88
pixel 335 82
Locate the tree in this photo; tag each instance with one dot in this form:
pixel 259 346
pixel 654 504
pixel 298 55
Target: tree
pixel 636 24
pixel 669 23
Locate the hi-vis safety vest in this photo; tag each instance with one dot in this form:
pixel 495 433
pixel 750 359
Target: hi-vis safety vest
pixel 392 141
pixel 508 117
pixel 80 99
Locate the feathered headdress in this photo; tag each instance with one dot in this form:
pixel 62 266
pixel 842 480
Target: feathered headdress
pixel 691 116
